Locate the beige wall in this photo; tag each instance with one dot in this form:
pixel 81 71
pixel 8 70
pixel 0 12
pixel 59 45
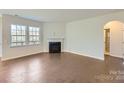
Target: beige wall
pixel 116 28
pixel 86 37
pixel 15 52
pixel 53 30
pixel 0 36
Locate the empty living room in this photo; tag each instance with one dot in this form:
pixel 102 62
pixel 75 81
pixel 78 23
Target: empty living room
pixel 61 46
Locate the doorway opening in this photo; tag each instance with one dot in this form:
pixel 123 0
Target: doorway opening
pixel 113 38
pixel 107 41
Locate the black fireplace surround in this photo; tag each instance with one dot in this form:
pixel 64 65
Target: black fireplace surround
pixel 54 47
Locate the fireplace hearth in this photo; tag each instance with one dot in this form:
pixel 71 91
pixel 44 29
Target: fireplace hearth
pixel 54 47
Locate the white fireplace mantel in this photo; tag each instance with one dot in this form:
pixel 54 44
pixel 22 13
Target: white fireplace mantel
pixel 55 39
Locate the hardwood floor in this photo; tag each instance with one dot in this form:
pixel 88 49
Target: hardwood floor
pixel 61 68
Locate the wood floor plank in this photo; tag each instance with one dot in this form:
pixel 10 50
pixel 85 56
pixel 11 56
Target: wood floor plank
pixel 61 68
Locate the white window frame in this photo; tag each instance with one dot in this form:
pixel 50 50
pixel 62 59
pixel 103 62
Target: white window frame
pixel 23 33
pixel 34 34
pixel 27 36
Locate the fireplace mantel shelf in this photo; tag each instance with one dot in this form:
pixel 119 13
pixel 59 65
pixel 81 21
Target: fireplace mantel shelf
pixel 55 38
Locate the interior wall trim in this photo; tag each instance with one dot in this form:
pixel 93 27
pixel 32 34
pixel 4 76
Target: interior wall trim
pixel 99 58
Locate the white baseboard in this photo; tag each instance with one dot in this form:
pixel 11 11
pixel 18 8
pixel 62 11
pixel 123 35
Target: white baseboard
pixel 116 56
pixel 47 52
pixel 100 58
pixel 15 57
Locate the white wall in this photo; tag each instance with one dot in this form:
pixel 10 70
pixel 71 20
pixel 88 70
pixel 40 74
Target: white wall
pixel 53 30
pixel 1 36
pixel 15 52
pixel 86 37
pixel 116 37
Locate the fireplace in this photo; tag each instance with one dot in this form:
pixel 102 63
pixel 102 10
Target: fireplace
pixel 54 47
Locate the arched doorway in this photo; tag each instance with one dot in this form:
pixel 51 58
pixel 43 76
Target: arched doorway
pixel 113 38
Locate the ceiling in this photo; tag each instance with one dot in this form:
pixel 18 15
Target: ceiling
pixel 58 15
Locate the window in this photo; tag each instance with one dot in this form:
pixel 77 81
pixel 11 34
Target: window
pixel 34 35
pixel 23 35
pixel 18 35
